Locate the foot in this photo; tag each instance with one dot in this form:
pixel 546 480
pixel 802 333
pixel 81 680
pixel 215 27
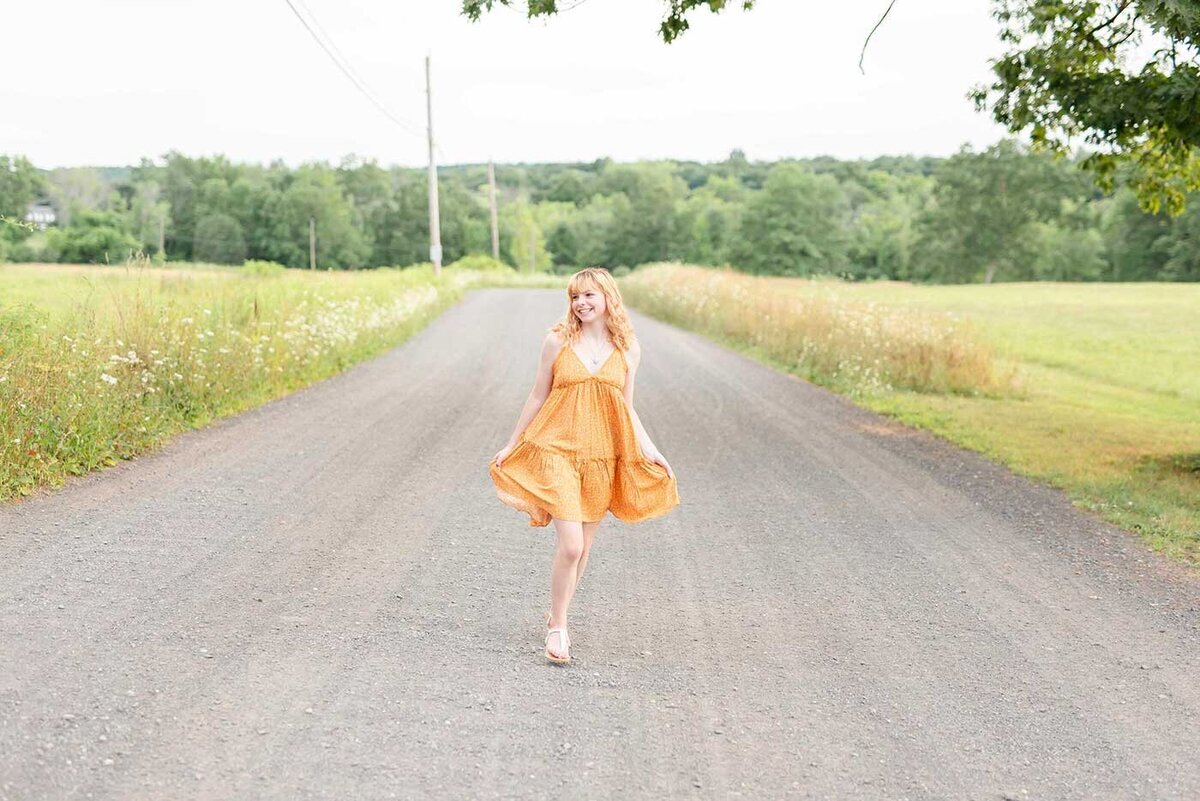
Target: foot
pixel 558 644
pixel 547 619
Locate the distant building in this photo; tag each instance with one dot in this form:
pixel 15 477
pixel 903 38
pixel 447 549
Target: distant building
pixel 41 214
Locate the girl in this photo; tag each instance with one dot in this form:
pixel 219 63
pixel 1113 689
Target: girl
pixel 579 449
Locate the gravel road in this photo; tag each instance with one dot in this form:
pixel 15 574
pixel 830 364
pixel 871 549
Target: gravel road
pixel 323 598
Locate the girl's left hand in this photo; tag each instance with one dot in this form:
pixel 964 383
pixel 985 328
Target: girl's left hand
pixel 659 459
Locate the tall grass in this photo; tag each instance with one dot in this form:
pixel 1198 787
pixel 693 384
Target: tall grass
pixel 116 360
pixel 858 347
pixel 1106 402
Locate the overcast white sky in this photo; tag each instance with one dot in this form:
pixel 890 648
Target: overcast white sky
pixel 93 83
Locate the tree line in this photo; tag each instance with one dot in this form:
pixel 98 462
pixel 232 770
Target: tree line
pixel 1000 214
pixel 1119 74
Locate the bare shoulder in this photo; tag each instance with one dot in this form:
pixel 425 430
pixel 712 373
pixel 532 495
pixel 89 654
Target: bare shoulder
pixel 552 343
pixel 634 350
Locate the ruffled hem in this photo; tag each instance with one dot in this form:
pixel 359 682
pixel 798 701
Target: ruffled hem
pixel 538 516
pixel 529 482
pixel 643 490
pixel 545 483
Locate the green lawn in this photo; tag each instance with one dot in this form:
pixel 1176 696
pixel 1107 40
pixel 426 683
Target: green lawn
pixel 1109 407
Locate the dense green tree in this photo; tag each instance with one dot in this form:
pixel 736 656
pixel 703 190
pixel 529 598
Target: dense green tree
pixel 147 212
pixel 709 220
pixel 1183 248
pixel 1080 68
pixel 369 189
pixel 1137 243
pixel 184 188
pixel 884 232
pixel 563 245
pixel 94 237
pixel 1065 254
pixel 399 228
pixel 796 225
pixel 252 195
pixel 315 194
pixel 526 243
pixel 644 226
pixel 219 240
pixel 894 217
pixel 20 185
pixel 571 186
pixel 583 238
pixel 75 189
pixel 978 226
pixel 1150 247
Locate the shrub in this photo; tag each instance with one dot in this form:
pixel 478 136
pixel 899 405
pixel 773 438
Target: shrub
pixel 262 268
pixel 219 240
pixel 478 261
pixel 94 237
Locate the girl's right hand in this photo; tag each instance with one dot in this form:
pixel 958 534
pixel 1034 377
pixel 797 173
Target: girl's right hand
pixel 502 454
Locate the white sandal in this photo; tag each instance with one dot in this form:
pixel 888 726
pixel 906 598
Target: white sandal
pixel 565 641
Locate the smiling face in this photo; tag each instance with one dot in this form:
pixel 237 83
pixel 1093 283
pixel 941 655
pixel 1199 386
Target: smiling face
pixel 589 304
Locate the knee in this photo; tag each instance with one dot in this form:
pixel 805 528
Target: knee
pixel 570 551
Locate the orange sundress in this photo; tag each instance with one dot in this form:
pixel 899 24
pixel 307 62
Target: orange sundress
pixel 579 457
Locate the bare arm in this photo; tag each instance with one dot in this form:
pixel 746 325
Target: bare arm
pixel 541 386
pixel 644 442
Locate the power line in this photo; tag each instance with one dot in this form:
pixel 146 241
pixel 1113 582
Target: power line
pixel 332 44
pixel 344 64
pixel 406 126
pixel 869 35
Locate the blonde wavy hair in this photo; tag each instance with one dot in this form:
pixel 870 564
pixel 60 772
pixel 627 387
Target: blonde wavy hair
pixel 620 329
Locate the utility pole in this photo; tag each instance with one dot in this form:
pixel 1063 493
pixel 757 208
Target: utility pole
pixel 492 202
pixel 312 243
pixel 162 247
pixel 435 226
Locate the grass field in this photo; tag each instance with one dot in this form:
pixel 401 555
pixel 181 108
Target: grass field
pixel 102 363
pixel 1103 401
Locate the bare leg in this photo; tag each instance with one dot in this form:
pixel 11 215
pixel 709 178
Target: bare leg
pixel 562 576
pixel 589 534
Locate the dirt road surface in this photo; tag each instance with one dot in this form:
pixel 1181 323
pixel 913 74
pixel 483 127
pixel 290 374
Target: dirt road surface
pixel 323 598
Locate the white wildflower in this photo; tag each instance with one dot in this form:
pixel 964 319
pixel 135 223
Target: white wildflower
pixel 107 378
